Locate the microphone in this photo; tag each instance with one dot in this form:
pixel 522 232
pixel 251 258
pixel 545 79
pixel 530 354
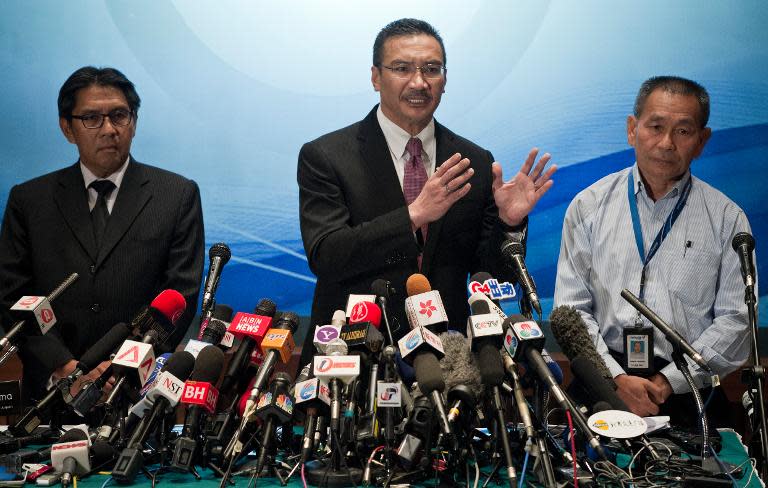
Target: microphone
pixel 424 306
pixel 598 389
pixel 383 290
pixel 312 398
pixel 251 328
pixel 671 334
pixel 526 340
pixel 275 407
pixel 218 256
pixel 217 325
pixel 462 377
pixel 200 395
pixel 161 315
pixel 417 430
pixel 59 393
pixel 571 334
pixel 163 397
pixel 324 334
pixel 70 456
pixel 41 308
pixel 743 243
pixel 514 254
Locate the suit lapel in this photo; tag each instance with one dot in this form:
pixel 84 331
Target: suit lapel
pixel 131 199
pixel 375 152
pixel 72 200
pixel 445 149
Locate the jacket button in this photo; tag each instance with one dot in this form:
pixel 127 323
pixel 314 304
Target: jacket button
pixel 92 269
pixel 95 308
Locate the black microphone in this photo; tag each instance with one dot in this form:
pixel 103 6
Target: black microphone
pixel 275 408
pixel 418 430
pixel 59 393
pixel 514 253
pixel 200 395
pixel 572 335
pixel 672 335
pixel 164 396
pixel 218 256
pixel 598 389
pixel 383 291
pixel 239 360
pixel 743 243
pixel 217 325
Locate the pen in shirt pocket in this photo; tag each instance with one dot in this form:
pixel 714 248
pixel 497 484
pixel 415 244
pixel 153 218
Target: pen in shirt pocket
pixel 688 245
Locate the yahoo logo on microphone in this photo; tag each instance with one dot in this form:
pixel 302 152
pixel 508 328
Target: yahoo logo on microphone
pixel 327 333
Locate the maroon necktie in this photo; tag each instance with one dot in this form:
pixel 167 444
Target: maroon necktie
pixel 415 178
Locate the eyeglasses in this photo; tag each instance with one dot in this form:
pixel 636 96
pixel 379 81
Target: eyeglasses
pixel 407 70
pixel 119 118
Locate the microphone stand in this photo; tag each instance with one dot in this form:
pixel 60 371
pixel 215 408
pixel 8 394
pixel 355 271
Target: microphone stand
pixel 754 376
pixel 682 365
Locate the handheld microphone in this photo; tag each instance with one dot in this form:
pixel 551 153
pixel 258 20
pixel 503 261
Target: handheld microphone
pixel 275 407
pixel 59 393
pixel 251 328
pixel 163 396
pixel 41 308
pixel 743 243
pixel 424 306
pixel 70 456
pixel 514 254
pixel 218 256
pixel 161 315
pixel 200 395
pixel 671 334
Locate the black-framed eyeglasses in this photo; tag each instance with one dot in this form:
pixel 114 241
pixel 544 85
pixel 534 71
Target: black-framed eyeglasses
pixel 407 70
pixel 118 117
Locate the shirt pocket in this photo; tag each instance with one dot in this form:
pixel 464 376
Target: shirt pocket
pixel 692 277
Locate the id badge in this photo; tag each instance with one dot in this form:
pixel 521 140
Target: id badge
pixel 638 351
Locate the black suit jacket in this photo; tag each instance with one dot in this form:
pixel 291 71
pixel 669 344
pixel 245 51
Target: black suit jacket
pixel 153 241
pixel 356 227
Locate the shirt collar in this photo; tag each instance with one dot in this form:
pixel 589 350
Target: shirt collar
pixel 397 138
pixel 116 177
pixel 672 193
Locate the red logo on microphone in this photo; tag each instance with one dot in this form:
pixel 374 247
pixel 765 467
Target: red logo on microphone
pixel 427 308
pixel 358 312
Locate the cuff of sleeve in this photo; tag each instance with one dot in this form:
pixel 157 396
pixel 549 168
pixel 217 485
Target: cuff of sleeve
pixel 613 366
pixel 677 380
pixel 519 228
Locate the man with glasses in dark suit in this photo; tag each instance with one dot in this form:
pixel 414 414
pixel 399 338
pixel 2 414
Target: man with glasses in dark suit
pixel 398 193
pixel 128 229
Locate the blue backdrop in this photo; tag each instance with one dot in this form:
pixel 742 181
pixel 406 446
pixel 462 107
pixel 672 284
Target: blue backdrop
pixel 231 89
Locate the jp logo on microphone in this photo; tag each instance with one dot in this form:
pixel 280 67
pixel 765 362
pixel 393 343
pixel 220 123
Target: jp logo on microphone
pixel 388 394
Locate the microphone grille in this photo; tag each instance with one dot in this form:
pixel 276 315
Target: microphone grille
pixel 265 307
pixel 743 238
pixel 220 250
pixel 288 321
pixel 222 312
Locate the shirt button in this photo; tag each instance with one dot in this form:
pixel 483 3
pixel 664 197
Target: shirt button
pixel 93 269
pixel 95 308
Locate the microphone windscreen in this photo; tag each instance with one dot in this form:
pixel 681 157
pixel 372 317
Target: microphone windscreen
pixel 429 376
pixel 72 435
pixel 379 288
pixel 220 250
pixel 489 364
pixel 265 307
pixel 171 304
pixel 417 283
pixel 222 312
pixel 180 364
pixel 571 333
pixel 480 307
pixel 481 277
pixel 287 321
pixel 596 386
pixel 208 365
pixel 458 365
pixel 214 331
pixel 101 350
pixel 101 452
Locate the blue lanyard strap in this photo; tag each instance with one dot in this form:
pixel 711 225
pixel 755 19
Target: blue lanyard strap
pixel 663 232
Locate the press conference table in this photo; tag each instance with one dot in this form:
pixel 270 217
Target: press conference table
pixel 733 451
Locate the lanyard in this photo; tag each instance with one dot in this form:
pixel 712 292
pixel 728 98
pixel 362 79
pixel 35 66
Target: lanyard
pixel 663 232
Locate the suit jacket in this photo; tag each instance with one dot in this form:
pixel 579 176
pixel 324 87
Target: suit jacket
pixel 356 227
pixel 153 241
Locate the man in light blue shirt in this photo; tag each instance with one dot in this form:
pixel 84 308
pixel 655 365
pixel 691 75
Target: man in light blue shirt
pixel 656 219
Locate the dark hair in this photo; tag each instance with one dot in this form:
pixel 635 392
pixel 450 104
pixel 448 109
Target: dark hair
pixel 404 27
pixel 89 75
pixel 675 85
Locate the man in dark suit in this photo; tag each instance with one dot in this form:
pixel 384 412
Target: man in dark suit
pixel 128 229
pixel 370 193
